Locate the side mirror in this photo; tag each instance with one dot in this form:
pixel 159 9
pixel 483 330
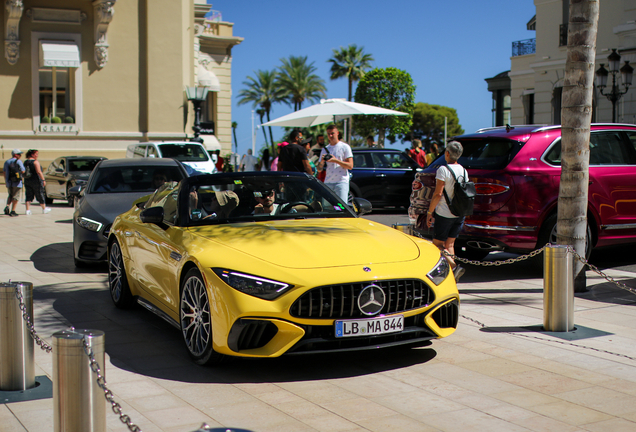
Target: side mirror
pixel 75 191
pixel 153 215
pixel 361 206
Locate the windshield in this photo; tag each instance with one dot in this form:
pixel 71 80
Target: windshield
pixel 488 153
pixel 145 178
pixel 75 165
pixel 221 199
pixel 184 152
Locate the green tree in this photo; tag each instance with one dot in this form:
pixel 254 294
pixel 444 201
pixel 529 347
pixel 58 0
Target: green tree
pixel 428 123
pixel 386 88
pixel 262 91
pixel 351 63
pixel 298 82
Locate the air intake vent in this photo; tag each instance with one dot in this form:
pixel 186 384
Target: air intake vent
pixel 448 315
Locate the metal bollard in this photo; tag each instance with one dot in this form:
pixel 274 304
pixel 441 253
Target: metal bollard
pixel 78 402
pixel 17 368
pixel 558 289
pixel 405 228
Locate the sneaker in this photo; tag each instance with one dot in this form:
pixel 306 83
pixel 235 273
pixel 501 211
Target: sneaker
pixel 458 272
pixel 12 214
pixel 46 210
pixel 6 210
pixel 28 212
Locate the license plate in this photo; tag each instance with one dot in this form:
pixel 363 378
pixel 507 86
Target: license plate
pixel 370 327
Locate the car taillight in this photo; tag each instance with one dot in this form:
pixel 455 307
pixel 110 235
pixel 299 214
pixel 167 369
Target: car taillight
pixel 490 188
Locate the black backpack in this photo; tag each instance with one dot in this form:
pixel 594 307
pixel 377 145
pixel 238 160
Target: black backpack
pixel 15 173
pixel 464 195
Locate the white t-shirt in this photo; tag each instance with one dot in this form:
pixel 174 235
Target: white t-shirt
pixel 336 173
pixel 449 184
pixel 250 162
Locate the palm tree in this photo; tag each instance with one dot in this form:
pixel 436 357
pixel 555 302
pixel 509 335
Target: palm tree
pixel 299 82
pixel 350 62
pixel 234 126
pixel 262 92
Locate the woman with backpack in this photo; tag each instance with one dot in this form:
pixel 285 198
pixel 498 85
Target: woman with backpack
pixel 34 182
pixel 447 225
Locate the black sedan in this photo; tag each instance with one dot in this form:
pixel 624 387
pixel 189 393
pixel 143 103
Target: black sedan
pixel 382 176
pixel 112 189
pixel 64 173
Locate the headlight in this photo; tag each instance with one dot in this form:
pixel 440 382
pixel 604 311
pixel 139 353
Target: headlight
pixel 89 224
pixel 253 285
pixel 439 272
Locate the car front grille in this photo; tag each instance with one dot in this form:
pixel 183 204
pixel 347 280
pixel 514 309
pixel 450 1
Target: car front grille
pixel 341 301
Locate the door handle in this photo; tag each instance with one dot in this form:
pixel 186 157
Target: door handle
pixel 380 175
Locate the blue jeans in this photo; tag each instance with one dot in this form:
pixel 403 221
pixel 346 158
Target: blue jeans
pixel 341 189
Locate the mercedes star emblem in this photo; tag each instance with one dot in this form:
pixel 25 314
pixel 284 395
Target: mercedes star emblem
pixel 371 300
pixel 366 269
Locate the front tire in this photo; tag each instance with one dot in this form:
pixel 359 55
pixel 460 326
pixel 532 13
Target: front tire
pixel 117 279
pixel 196 319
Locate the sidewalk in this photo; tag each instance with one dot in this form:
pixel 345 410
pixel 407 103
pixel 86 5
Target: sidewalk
pixel 498 372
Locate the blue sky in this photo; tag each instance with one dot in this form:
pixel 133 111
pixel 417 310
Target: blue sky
pixel 449 47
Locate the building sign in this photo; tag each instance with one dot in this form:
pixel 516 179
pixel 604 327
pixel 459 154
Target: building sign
pixel 58 128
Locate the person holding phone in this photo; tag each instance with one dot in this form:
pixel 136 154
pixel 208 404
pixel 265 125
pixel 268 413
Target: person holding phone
pixel 337 159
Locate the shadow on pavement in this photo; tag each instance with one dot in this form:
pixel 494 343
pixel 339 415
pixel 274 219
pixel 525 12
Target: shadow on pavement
pixel 141 342
pixel 58 258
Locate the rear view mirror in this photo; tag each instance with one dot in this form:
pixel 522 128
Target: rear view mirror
pixel 153 215
pixel 361 206
pixel 75 191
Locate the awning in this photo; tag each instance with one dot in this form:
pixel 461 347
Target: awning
pixel 208 79
pixel 59 54
pixel 210 142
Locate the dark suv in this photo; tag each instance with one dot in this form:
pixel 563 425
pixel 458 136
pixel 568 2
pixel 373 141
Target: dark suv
pixel 382 176
pixel 517 172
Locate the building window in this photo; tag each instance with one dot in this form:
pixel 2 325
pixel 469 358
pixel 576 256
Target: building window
pixel 208 113
pixel 528 108
pixel 506 109
pixel 556 105
pixel 61 89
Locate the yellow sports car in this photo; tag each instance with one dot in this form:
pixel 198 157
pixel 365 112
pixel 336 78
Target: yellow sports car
pixel 265 264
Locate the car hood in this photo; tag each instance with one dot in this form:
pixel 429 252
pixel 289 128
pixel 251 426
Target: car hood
pixel 314 243
pixel 107 206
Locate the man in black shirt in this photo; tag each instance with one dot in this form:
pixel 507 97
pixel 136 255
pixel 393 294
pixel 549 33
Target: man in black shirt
pixel 293 157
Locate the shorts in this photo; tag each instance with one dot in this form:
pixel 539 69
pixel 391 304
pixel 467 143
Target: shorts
pixel 445 228
pixel 34 191
pixel 14 193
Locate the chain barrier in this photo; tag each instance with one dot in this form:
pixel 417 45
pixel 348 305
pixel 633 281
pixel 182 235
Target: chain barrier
pixel 29 322
pixel 94 365
pixel 600 272
pixel 108 394
pixel 494 263
pixel 482 325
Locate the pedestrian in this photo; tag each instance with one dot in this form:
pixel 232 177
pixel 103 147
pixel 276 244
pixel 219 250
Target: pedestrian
pixel 34 183
pixel 248 163
pixel 447 226
pixel 314 170
pixel 293 157
pixel 13 173
pixel 417 154
pixel 220 162
pixel 433 152
pixel 314 151
pixel 370 142
pixel 265 162
pixel 337 159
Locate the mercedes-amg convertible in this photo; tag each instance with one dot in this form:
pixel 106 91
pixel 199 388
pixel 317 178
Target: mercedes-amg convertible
pixel 265 264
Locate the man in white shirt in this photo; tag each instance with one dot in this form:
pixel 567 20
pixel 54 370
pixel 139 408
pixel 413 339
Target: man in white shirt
pixel 248 163
pixel 337 159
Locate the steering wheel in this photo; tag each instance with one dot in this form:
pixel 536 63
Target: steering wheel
pixel 287 207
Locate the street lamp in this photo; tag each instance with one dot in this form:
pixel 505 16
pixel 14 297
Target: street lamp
pixel 197 95
pixel 626 76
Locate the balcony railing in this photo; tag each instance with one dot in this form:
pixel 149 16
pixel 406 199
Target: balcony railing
pixel 523 47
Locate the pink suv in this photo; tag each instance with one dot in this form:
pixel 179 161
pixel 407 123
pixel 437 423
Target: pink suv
pixel 517 170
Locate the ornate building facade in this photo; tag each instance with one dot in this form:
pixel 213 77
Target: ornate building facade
pixel 90 77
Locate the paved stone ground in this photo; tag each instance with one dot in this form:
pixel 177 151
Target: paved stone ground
pixel 498 372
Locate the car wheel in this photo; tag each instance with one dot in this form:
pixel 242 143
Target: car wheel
pixel 548 234
pixel 48 201
pixel 117 279
pixel 196 319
